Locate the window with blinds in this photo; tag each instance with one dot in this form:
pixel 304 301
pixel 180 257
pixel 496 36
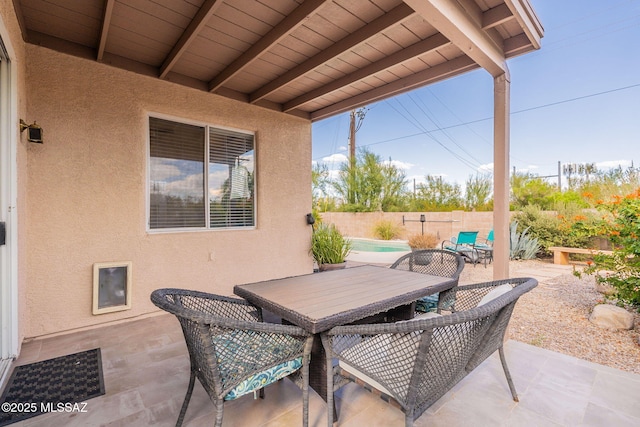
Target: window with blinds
pixel 179 156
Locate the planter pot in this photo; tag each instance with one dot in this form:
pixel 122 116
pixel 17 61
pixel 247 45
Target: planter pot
pixel 421 258
pixel 329 267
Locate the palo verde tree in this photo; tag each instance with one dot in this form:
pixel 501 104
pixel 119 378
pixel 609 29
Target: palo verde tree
pixel 369 184
pixel 479 189
pixel 438 195
pixel 528 189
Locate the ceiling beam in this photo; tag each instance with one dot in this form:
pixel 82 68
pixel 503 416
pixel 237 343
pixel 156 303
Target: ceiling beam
pixel 496 16
pixel 528 20
pixel 516 45
pixel 450 19
pixel 104 31
pixel 440 72
pixel 292 21
pixel 376 26
pixel 428 45
pixel 198 22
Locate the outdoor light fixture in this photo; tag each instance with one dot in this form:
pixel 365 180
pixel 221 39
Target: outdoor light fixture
pixel 35 132
pixel 422 220
pixel 310 219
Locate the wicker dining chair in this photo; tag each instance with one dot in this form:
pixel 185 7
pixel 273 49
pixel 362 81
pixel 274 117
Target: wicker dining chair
pixel 414 363
pixel 436 262
pixel 232 351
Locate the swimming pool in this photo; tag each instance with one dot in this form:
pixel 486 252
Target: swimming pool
pixel 369 245
pixel 377 251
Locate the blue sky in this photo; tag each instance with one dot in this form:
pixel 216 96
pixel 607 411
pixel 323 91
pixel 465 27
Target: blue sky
pixel 576 100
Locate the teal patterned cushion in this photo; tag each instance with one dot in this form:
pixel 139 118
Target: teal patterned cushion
pixel 427 304
pixel 263 379
pixel 243 354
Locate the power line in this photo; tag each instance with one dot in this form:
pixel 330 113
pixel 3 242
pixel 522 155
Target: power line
pixel 551 104
pixel 575 99
pixel 440 128
pixel 429 134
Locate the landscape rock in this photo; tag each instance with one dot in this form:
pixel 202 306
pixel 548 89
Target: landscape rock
pixel 605 289
pixel 611 317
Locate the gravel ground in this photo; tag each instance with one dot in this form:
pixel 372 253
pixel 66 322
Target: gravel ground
pixel 554 316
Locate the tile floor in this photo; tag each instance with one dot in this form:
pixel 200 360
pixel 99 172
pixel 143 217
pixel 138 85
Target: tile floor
pixel 146 374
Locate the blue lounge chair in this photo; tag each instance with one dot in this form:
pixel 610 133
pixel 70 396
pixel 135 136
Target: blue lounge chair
pixel 485 250
pixel 465 245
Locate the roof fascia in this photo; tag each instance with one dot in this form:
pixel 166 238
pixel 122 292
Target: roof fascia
pixel 454 22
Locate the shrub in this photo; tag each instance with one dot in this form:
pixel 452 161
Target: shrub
pixel 328 245
pixel 423 241
pixel 572 226
pixel 622 269
pixel 386 230
pixel 540 225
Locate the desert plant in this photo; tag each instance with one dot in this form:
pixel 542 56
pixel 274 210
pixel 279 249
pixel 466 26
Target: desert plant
pixel 422 241
pixel 328 245
pixel 386 230
pixel 622 269
pixel 523 246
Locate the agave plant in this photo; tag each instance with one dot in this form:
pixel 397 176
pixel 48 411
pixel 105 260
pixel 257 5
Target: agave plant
pixel 523 246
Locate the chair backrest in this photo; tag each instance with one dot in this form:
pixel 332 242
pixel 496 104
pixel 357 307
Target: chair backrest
pixel 197 312
pixel 490 236
pixel 435 262
pixel 226 338
pixel 418 361
pixel 467 238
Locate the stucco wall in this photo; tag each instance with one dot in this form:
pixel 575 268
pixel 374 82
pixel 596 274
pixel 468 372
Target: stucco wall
pixel 13 41
pixel 86 192
pixel 442 224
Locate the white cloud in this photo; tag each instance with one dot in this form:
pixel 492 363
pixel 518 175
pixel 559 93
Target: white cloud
pixel 439 175
pixel 334 174
pixel 189 185
pixel 335 158
pixel 613 164
pixel 486 168
pixel 398 164
pixel 527 169
pixel 419 179
pixel 162 170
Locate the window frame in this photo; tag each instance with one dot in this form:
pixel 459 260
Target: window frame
pixel 206 159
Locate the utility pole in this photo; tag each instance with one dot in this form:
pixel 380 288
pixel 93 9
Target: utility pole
pixel 356 117
pixel 351 194
pixel 559 176
pixel 352 137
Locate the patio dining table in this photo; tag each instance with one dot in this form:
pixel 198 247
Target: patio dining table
pixel 319 301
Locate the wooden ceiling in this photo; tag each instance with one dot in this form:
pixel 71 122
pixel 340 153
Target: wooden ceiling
pixel 310 58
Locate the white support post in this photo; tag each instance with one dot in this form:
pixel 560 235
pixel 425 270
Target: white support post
pixel 501 100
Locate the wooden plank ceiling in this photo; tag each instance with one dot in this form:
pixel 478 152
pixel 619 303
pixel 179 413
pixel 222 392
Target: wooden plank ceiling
pixel 310 58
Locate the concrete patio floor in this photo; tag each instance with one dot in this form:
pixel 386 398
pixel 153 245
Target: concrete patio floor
pixel 146 372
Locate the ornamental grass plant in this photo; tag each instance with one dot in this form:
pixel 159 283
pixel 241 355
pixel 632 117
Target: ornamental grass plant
pixel 328 245
pixel 422 241
pixel 386 230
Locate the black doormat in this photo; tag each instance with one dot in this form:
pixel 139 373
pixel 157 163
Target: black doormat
pixel 54 385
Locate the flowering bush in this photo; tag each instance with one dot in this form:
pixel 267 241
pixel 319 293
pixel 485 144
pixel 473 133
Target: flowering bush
pixel 622 269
